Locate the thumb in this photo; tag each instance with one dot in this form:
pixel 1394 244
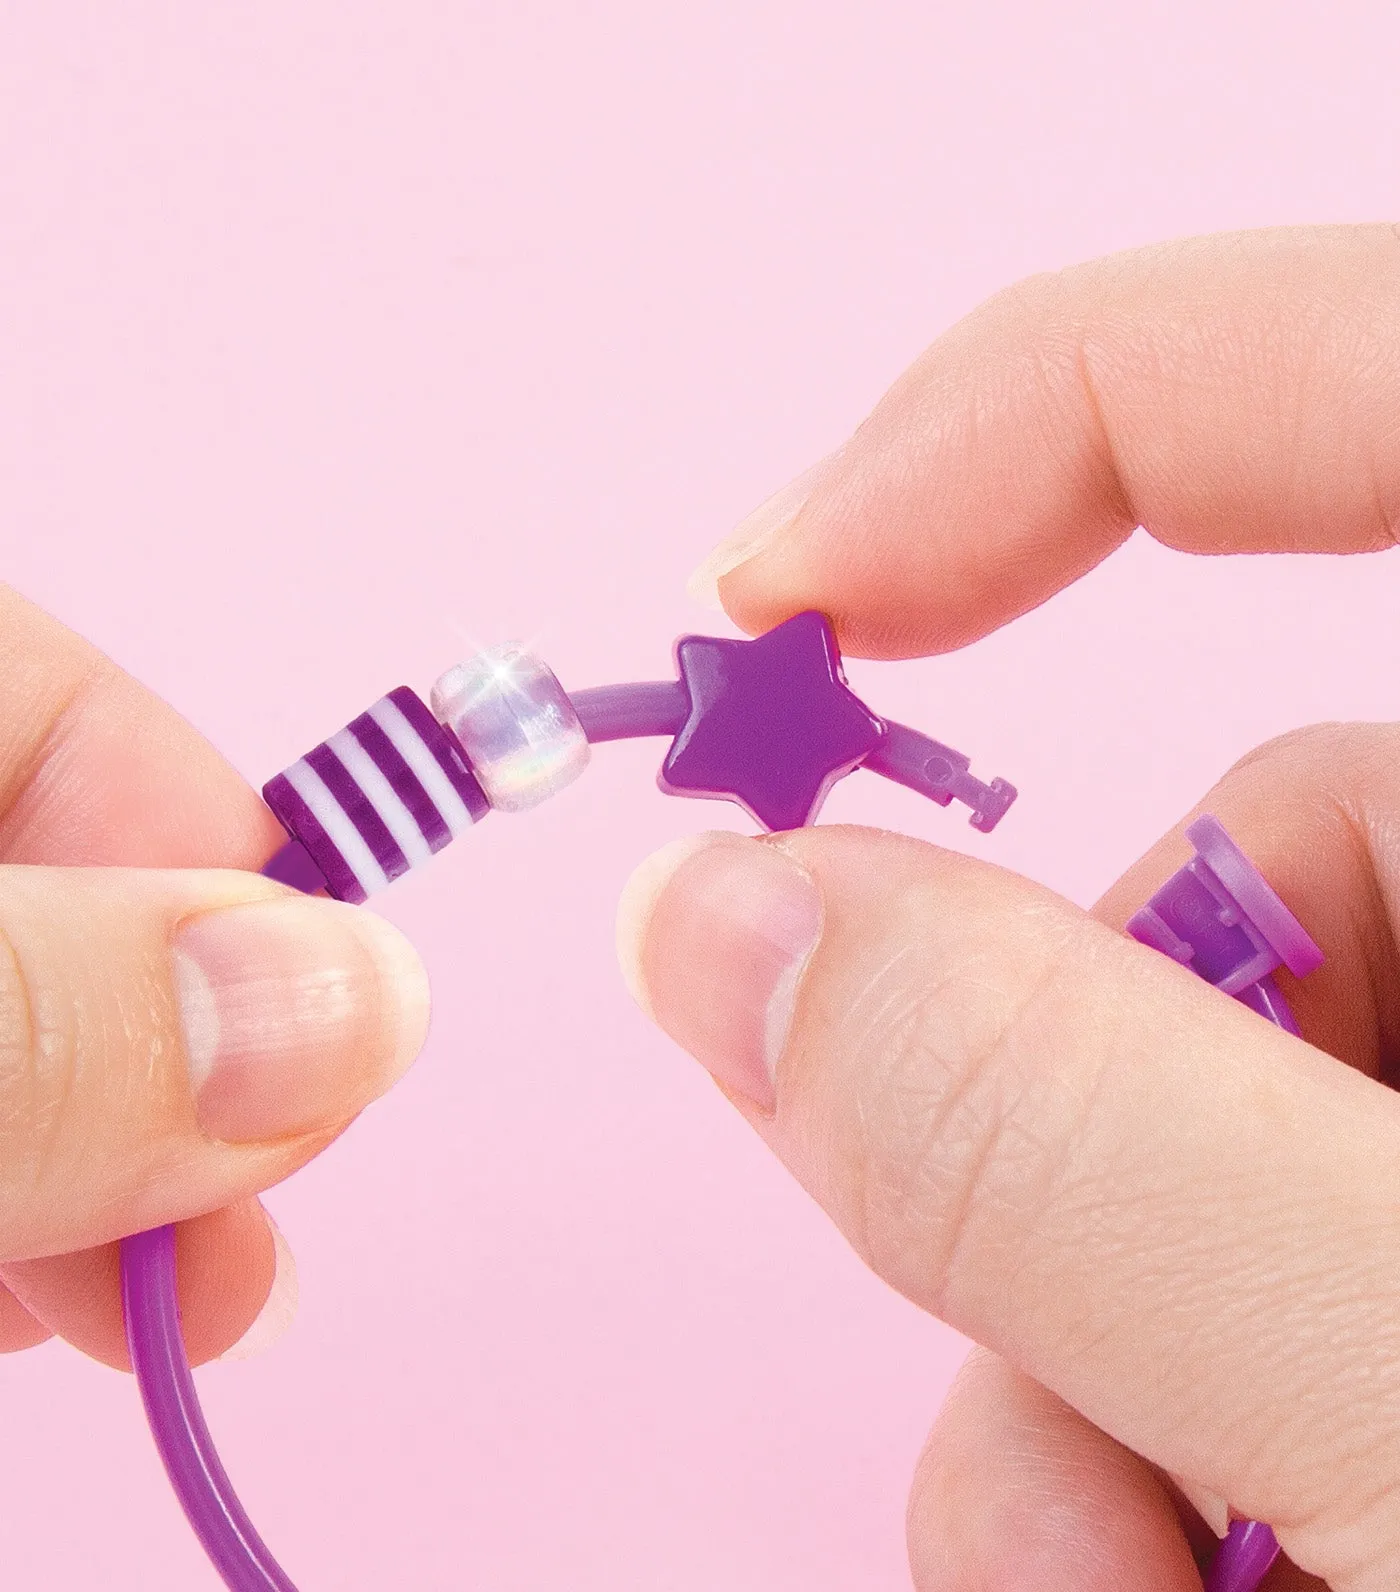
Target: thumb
pixel 1071 1149
pixel 173 1040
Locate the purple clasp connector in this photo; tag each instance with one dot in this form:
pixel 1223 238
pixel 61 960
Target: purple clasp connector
pixel 1219 916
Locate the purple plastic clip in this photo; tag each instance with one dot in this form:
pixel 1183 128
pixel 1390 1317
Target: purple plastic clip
pixel 1218 916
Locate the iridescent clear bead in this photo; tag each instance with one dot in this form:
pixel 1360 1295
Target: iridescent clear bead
pixel 516 725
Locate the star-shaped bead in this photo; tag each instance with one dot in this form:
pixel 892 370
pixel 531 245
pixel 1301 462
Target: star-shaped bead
pixel 772 723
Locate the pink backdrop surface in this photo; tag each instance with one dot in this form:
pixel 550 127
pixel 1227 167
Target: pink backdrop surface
pixel 336 338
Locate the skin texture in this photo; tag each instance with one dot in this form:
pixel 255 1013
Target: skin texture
pixel 117 822
pixel 1175 1230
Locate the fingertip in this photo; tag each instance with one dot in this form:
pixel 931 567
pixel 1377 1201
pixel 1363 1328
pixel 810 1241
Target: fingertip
pixel 637 904
pixel 717 932
pixel 756 532
pixel 279 1308
pixel 228 1267
pixel 19 1329
pixel 1016 1489
pixel 232 1264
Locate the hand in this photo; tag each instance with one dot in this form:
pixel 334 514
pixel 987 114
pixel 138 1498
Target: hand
pixel 1175 1228
pixel 173 1037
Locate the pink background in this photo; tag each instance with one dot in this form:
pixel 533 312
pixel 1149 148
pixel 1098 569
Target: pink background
pixel 337 337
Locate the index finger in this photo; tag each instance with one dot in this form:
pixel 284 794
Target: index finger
pixel 95 770
pixel 1236 393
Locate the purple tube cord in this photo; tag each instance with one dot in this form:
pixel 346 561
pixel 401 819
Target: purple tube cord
pixel 150 1300
pixel 770 724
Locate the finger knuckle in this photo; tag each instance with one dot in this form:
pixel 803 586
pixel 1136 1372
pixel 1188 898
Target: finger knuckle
pixel 1307 744
pixel 1346 770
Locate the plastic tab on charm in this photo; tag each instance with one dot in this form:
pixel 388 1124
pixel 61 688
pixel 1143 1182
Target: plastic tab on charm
pixel 516 725
pixel 1219 917
pixel 940 773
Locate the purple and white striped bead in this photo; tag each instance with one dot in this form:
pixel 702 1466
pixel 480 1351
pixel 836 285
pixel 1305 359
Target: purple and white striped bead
pixel 379 797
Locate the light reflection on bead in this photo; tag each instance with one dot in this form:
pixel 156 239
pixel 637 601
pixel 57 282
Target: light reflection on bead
pixel 516 725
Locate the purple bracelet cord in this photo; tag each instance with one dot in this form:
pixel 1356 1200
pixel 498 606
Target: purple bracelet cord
pixel 768 723
pixel 1218 916
pixel 151 1303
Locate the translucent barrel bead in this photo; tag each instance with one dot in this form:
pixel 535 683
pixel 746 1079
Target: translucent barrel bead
pixel 379 797
pixel 516 724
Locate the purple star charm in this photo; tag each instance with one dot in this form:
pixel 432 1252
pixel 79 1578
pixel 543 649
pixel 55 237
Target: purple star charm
pixel 772 723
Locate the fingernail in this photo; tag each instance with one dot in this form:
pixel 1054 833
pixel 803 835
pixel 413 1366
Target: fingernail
pixel 279 1309
pixel 296 1014
pixel 714 933
pixel 752 534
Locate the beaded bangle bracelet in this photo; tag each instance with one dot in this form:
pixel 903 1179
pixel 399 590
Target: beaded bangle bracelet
pixel 770 724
